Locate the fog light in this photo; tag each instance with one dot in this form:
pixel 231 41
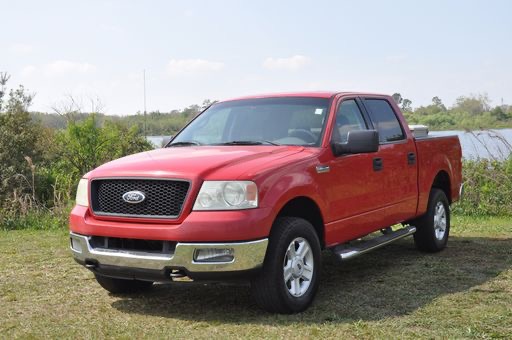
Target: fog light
pixel 214 255
pixel 75 245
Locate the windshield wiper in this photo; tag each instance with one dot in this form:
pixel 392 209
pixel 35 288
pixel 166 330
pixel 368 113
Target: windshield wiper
pixel 248 142
pixel 187 143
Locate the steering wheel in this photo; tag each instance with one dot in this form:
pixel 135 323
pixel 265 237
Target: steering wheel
pixel 305 135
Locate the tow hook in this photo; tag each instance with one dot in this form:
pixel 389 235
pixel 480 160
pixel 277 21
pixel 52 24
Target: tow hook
pixel 90 264
pixel 177 273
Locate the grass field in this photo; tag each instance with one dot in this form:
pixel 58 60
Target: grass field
pixel 395 292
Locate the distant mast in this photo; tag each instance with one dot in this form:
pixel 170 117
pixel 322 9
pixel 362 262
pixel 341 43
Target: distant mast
pixel 145 122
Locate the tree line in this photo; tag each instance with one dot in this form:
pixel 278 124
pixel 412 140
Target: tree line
pixel 42 156
pixel 471 112
pixel 467 113
pixel 41 165
pixel 155 123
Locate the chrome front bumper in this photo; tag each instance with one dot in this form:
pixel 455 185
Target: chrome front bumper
pixel 247 256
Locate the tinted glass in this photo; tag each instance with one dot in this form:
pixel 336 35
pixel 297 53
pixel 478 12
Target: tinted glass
pixel 348 118
pixel 288 121
pixel 385 120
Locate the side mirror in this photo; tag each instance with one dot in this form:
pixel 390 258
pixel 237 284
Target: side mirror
pixel 360 141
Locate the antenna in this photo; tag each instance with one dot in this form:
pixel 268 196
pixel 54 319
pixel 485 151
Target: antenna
pixel 145 121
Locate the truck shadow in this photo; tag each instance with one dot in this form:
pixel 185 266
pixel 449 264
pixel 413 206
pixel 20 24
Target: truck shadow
pixel 392 281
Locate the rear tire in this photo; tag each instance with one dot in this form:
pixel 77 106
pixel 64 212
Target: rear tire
pixel 289 279
pixel 121 286
pixel 433 228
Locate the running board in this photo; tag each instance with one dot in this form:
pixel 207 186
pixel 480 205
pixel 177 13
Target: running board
pixel 349 251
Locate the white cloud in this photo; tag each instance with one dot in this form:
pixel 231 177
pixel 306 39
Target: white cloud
pixel 137 76
pixel 293 63
pixel 189 13
pixel 396 58
pixel 111 28
pixel 28 70
pixel 315 85
pixel 59 67
pixel 21 49
pixel 192 66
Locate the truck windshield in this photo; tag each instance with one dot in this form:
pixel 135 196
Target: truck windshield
pixel 268 121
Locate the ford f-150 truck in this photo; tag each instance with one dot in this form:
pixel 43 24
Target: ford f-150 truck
pixel 257 187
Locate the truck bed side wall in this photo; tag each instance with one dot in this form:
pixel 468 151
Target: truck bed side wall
pixel 437 154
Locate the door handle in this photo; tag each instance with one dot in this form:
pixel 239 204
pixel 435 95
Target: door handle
pixel 322 169
pixel 378 164
pixel 411 158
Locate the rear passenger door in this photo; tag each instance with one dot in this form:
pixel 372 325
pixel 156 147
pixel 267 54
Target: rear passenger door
pixel 397 160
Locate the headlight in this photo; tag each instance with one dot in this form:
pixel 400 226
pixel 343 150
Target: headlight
pixel 82 193
pixel 227 195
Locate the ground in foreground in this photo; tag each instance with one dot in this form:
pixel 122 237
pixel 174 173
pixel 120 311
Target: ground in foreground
pixel 394 292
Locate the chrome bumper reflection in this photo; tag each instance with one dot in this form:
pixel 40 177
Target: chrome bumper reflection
pixel 247 255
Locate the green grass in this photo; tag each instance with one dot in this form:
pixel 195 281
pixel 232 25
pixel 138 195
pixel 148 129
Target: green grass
pixel 395 292
pixel 37 220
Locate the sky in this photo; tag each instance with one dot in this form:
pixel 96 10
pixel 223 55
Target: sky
pixel 196 50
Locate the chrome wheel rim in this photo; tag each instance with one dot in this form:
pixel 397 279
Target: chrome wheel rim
pixel 440 221
pixel 298 266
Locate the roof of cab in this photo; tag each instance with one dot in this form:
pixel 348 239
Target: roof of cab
pixel 315 94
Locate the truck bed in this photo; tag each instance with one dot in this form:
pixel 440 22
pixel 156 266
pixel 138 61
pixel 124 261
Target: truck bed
pixel 434 154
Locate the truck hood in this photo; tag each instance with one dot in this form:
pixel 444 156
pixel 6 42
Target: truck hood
pixel 207 162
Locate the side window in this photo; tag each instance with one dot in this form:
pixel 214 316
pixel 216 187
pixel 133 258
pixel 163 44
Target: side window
pixel 348 118
pixel 385 120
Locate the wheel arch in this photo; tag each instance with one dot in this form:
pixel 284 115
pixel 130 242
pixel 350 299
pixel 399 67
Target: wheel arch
pixel 442 181
pixel 306 208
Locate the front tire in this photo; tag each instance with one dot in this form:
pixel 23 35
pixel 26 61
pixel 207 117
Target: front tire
pixel 433 228
pixel 289 279
pixel 121 286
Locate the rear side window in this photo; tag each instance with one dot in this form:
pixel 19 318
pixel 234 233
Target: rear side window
pixel 385 120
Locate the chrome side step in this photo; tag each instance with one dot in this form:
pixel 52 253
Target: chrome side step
pixel 348 251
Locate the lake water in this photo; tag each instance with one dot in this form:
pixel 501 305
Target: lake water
pixel 157 140
pixel 482 144
pixel 475 144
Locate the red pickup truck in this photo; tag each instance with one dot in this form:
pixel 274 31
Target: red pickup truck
pixel 257 187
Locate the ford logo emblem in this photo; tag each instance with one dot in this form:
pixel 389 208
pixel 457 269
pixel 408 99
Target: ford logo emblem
pixel 134 197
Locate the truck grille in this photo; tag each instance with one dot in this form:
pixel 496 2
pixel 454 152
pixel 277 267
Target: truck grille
pixel 163 198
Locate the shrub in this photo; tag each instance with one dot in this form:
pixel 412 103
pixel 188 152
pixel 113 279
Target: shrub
pixel 488 187
pixel 488 182
pixel 38 219
pixel 40 167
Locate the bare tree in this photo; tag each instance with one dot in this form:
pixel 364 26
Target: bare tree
pixel 72 107
pixel 4 78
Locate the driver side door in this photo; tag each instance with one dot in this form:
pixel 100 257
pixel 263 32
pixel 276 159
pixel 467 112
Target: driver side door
pixel 354 184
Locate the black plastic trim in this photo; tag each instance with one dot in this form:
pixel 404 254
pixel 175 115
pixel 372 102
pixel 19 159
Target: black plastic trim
pixel 165 274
